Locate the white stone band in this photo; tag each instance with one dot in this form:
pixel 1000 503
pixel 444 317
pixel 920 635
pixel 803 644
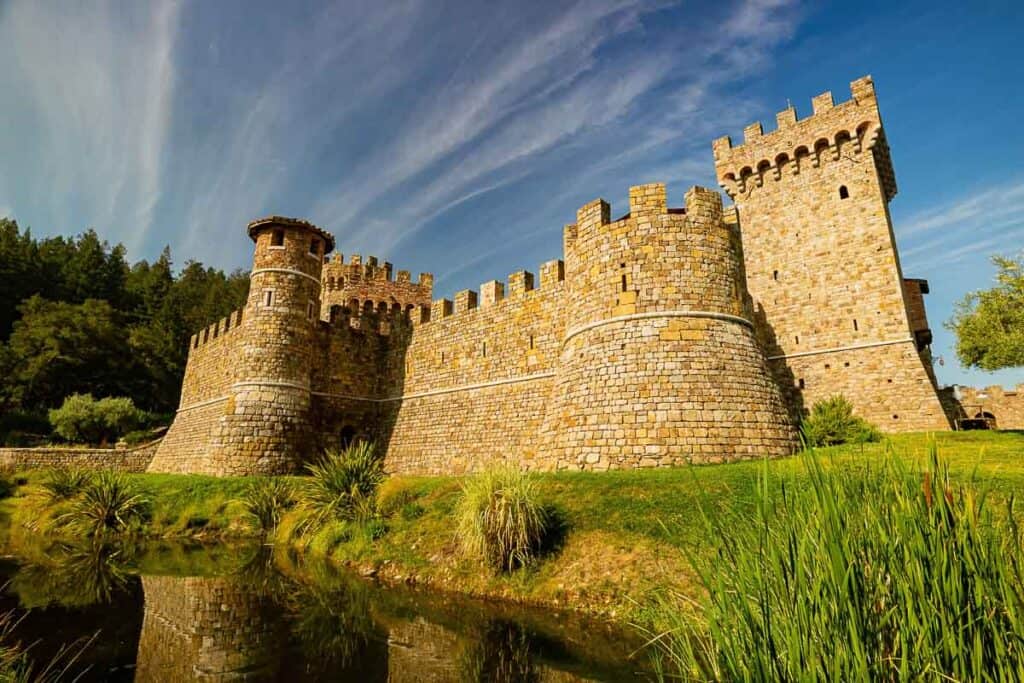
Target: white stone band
pixel 269 383
pixel 446 390
pixel 657 314
pixel 290 271
pixel 201 404
pixel 854 347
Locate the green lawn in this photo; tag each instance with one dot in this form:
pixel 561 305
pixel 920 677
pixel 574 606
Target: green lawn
pixel 625 532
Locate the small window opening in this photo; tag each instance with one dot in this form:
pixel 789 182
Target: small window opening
pixel 855 327
pixel 442 357
pixel 310 309
pixel 531 341
pixel 484 349
pixel 843 192
pixel 827 366
pixel 623 282
pixel 268 297
pixel 800 383
pixel 277 238
pixel 846 364
pixel 775 275
pixel 797 337
pixel 895 417
pixel 889 381
pixel 314 247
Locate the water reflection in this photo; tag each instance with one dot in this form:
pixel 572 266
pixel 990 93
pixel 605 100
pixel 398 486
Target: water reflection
pixel 241 614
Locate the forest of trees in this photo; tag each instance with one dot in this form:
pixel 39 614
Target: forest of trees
pixel 76 317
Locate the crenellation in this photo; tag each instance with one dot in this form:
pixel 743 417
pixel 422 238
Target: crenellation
pixel 667 336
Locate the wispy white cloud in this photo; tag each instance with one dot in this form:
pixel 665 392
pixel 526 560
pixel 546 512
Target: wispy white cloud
pixel 94 85
pixel 981 222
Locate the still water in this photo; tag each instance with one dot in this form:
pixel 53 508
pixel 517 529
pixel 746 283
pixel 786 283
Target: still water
pixel 172 612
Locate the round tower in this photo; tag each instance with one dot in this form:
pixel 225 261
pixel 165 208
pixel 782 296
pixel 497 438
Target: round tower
pixel 265 428
pixel 660 364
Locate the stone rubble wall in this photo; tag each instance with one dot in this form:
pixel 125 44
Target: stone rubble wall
pixel 1007 405
pixel 130 460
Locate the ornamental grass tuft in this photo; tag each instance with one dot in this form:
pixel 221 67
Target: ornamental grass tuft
pixel 879 572
pixel 500 518
pixel 110 502
pixel 267 499
pixel 342 486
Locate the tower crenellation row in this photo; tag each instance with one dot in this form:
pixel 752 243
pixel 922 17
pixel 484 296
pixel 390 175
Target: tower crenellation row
pixel 695 333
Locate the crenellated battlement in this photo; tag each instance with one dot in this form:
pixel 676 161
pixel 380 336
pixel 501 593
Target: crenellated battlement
pixel 217 330
pixel 336 273
pixel 797 145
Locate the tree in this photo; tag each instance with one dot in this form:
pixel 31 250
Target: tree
pixel 989 324
pixel 57 349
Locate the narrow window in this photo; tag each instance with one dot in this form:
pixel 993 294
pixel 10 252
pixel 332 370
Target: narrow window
pixel 277 238
pixel 531 341
pixel 843 192
pixel 314 247
pixel 623 282
pixel 775 275
pixel 484 349
pixel 268 297
pixel 855 328
pixel 442 358
pixel 797 337
pixel 310 309
pixel 800 383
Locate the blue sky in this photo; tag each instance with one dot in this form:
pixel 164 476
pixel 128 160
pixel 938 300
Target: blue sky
pixel 458 138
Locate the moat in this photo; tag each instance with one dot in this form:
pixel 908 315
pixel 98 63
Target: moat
pixel 180 612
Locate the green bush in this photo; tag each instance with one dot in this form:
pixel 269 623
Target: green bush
pixel 853 574
pixel 83 419
pixel 109 503
pixel 500 519
pixel 343 485
pixel 267 499
pixel 63 484
pixel 832 422
pixel 21 428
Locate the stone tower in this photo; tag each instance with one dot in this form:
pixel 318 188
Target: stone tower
pixel 265 426
pixel 660 364
pixel 821 261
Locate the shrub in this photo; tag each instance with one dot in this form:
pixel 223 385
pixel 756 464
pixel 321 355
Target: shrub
pixel 109 503
pixel 63 484
pixel 500 520
pixel 832 422
pixel 343 485
pixel 21 428
pixel 267 499
pixel 83 419
pixel 862 574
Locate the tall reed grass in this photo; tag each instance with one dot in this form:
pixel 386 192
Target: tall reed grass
pixel 109 502
pixel 501 520
pixel 886 572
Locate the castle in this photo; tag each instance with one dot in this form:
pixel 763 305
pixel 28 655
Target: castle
pixel 668 335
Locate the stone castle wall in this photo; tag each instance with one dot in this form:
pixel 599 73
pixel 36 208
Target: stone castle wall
pixel 821 261
pixel 669 335
pixel 131 460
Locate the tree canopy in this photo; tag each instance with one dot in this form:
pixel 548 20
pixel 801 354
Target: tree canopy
pixel 75 317
pixel 989 324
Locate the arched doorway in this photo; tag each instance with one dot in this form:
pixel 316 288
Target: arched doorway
pixel 346 436
pixel 988 418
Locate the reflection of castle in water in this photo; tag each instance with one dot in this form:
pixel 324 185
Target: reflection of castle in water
pixel 206 629
pixel 221 629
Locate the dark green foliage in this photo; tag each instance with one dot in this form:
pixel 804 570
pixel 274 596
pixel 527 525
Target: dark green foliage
pixel 832 422
pixel 74 317
pixel 110 502
pixel 854 574
pixel 83 419
pixel 267 499
pixel 343 486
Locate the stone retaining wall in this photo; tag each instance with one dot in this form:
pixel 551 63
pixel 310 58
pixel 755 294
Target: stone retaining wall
pixel 120 460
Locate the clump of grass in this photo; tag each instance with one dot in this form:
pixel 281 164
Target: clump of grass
pixel 500 518
pixel 342 486
pixel 63 484
pixel 267 499
pixel 110 502
pixel 832 422
pixel 883 573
